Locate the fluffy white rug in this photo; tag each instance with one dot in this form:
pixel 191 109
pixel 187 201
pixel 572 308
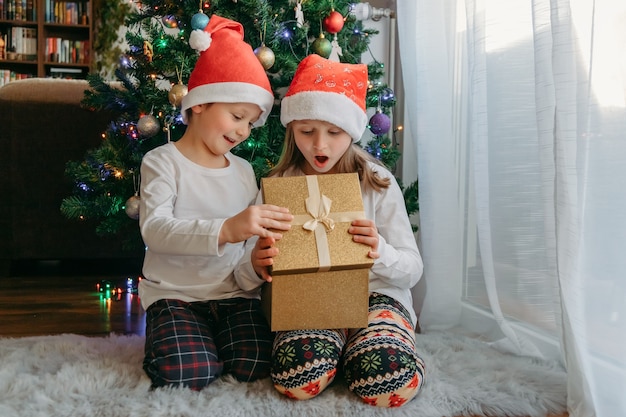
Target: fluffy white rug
pixel 75 376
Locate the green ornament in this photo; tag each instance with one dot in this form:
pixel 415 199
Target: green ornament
pixel 322 46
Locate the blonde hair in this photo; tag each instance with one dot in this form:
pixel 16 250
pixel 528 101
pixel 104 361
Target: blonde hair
pixel 355 159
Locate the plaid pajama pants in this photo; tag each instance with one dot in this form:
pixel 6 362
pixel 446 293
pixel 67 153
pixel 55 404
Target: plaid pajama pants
pixel 379 362
pixel 192 344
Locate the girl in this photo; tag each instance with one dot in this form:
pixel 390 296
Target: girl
pixel 324 112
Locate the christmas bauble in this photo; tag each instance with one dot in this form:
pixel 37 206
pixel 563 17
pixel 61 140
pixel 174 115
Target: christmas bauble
pixel 265 55
pixel 387 97
pixel 170 21
pixel 199 21
pixel 333 23
pixel 148 126
pixel 322 46
pixel 380 123
pixel 132 207
pixel 176 94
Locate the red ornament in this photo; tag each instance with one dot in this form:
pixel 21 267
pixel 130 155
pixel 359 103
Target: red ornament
pixel 333 23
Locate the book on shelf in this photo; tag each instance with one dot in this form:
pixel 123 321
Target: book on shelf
pixel 68 73
pixel 23 10
pixel 22 41
pixel 67 51
pixel 6 76
pixel 67 12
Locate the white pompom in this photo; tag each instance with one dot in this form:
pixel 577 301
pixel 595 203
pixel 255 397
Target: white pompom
pixel 200 40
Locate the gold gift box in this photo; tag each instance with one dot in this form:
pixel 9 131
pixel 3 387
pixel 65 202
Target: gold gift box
pixel 320 277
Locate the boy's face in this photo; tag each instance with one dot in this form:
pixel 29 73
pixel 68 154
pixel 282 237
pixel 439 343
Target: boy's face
pixel 322 144
pixel 222 126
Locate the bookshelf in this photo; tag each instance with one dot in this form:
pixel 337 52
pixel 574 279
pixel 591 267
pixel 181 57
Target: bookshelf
pixel 45 38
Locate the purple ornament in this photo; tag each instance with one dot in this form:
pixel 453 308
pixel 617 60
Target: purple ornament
pixel 380 123
pixel 170 21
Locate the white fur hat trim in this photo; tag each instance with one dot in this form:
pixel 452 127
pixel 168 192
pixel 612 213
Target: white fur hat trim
pixel 229 92
pixel 330 107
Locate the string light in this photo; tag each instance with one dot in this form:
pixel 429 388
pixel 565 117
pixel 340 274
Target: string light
pixel 125 61
pixel 284 32
pixel 162 43
pixel 109 292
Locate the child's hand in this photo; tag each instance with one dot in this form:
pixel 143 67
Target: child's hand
pixel 262 255
pixel 365 231
pixel 255 220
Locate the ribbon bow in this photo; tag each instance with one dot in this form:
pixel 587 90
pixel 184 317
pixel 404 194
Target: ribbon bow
pixel 319 209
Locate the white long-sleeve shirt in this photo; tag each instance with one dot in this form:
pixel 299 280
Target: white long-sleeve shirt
pixel 183 207
pixel 399 266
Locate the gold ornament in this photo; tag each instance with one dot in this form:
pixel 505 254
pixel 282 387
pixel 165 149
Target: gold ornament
pixel 148 51
pixel 132 207
pixel 265 55
pixel 132 204
pixel 148 126
pixel 176 93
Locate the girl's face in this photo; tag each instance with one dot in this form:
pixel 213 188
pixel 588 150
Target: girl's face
pixel 322 144
pixel 222 126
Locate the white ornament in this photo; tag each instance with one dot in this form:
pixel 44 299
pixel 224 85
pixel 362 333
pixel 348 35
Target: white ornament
pixel 299 14
pixel 336 50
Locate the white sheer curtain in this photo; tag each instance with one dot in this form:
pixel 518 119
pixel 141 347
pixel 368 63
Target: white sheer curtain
pixel 518 112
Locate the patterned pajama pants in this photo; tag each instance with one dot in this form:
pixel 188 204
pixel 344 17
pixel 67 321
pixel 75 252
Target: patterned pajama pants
pixel 192 344
pixel 379 362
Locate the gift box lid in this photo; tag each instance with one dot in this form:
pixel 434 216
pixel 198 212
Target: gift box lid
pixel 324 207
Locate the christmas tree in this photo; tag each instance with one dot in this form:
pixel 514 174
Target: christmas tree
pixel 151 80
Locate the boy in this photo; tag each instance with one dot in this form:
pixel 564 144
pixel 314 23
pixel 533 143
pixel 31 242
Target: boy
pixel 195 215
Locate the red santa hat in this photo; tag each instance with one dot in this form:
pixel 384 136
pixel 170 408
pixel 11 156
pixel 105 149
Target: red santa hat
pixel 330 91
pixel 227 70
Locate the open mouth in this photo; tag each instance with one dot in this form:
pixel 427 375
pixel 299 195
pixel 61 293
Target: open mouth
pixel 321 159
pixel 229 139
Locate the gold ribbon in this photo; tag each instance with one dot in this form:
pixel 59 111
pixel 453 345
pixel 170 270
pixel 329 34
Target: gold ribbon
pixel 321 221
pixel 318 207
